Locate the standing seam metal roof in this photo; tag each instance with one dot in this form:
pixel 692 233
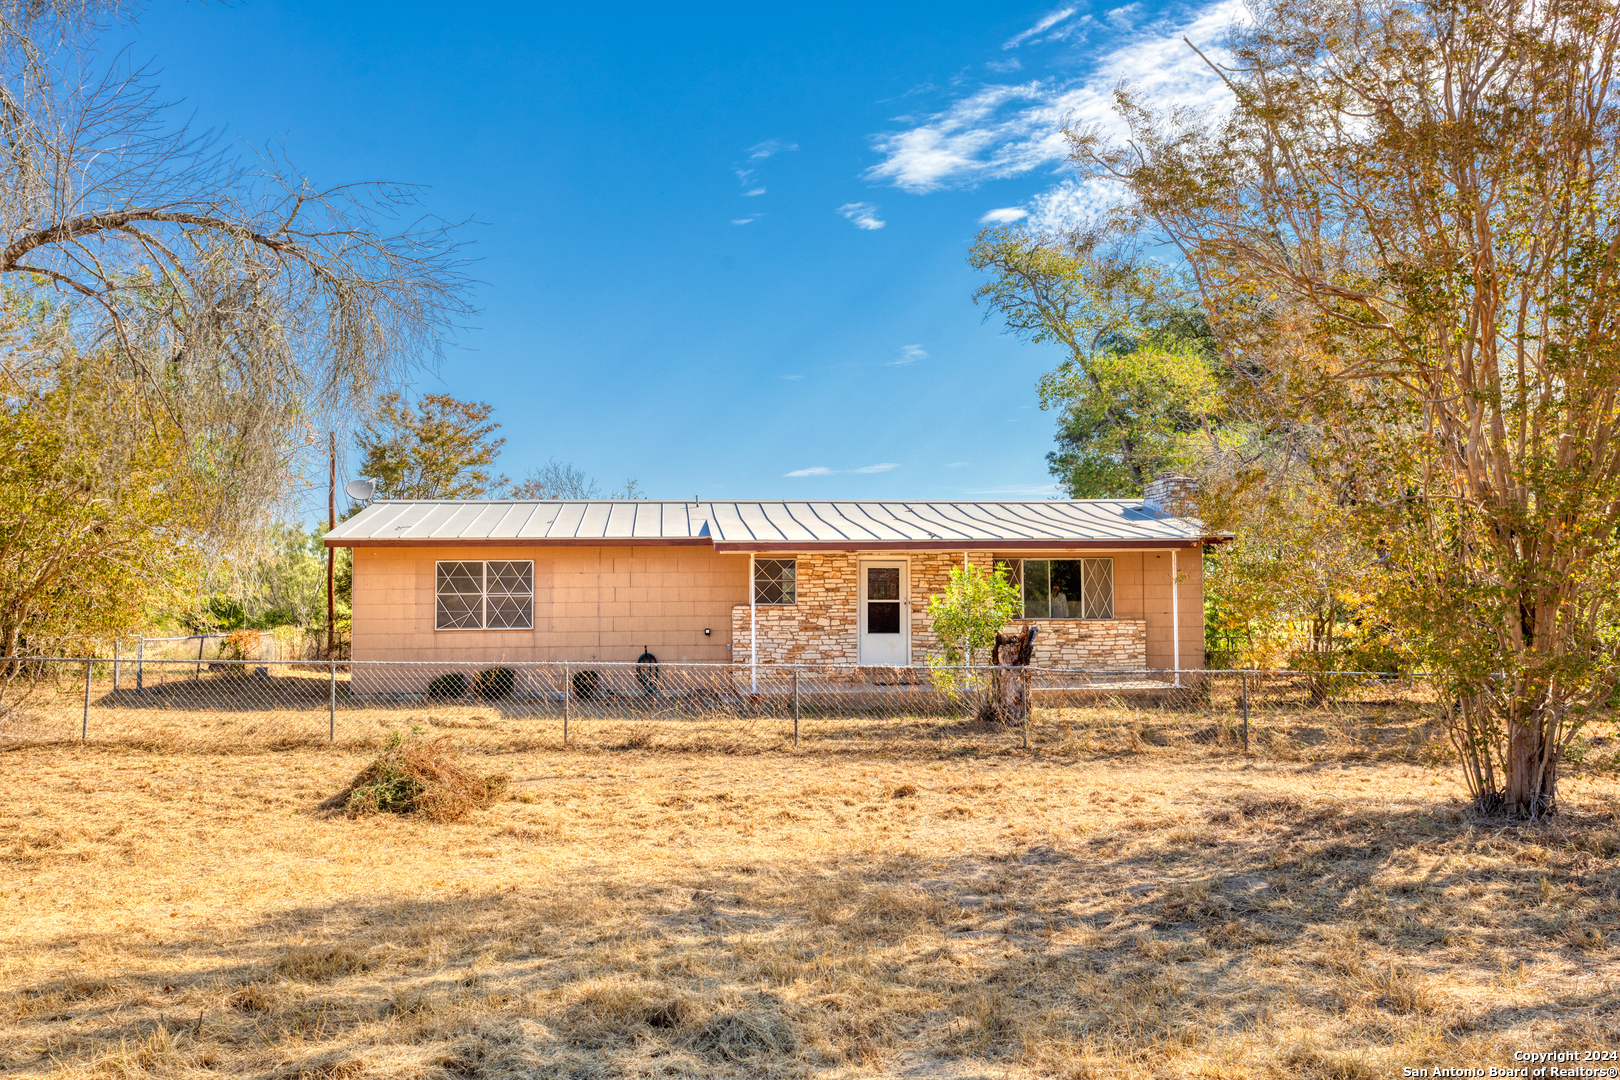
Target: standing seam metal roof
pixel 735 525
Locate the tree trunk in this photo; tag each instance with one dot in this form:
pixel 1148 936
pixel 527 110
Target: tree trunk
pixel 1008 699
pixel 1532 773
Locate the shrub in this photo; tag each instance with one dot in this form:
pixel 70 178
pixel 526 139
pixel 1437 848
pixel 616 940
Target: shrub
pixel 495 683
pixel 417 776
pixel 452 684
pixel 586 684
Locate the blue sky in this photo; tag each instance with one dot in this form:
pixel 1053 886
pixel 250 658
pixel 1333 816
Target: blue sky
pixel 719 249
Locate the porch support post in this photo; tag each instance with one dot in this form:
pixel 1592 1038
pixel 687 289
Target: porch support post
pixel 966 659
pixel 1175 616
pixel 753 628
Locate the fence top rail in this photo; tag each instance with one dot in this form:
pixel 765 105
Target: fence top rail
pixel 717 666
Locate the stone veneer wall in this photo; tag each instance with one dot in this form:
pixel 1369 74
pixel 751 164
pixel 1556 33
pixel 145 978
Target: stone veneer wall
pixel 1090 644
pixel 821 627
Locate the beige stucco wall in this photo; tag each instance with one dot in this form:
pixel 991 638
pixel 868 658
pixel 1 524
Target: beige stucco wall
pixel 609 603
pixel 590 603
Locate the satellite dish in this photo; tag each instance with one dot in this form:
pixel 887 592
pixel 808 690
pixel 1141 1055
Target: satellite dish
pixel 360 490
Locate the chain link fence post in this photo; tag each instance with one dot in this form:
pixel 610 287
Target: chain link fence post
pixel 1245 712
pixel 568 689
pixel 84 731
pixel 795 706
pixel 331 702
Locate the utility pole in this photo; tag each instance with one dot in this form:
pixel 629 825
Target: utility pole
pixel 331 553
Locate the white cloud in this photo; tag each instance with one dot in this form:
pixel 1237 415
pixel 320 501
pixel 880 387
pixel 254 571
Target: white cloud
pixel 909 354
pixel 761 151
pixel 792 378
pixel 1041 27
pixel 822 470
pixel 1012 63
pixel 1123 18
pixel 756 191
pixel 863 214
pixel 958 464
pixel 1001 130
pixel 745 220
pixel 1006 215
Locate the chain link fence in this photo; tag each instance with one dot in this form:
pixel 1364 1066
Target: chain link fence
pixel 226 704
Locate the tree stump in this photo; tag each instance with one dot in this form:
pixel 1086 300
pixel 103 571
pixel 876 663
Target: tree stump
pixel 1008 699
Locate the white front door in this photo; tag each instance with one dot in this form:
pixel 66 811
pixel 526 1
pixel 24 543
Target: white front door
pixel 885 614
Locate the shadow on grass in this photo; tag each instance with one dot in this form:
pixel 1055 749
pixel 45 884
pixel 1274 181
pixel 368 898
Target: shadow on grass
pixel 1278 912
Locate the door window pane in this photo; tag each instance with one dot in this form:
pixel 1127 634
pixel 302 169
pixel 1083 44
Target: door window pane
pixel 883 583
pixel 882 617
pixel 1037 602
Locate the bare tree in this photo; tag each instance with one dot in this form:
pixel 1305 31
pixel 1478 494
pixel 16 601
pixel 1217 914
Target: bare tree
pixel 557 480
pixel 247 302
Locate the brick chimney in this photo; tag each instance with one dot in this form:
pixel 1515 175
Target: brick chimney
pixel 1170 495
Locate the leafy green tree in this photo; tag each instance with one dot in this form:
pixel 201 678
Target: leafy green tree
pixel 96 526
pixel 972 610
pixel 1135 391
pixel 1411 213
pixel 440 448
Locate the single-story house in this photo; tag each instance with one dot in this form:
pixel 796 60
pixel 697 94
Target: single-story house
pixel 1115 584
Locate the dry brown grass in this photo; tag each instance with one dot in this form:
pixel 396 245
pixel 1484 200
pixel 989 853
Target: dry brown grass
pixel 650 913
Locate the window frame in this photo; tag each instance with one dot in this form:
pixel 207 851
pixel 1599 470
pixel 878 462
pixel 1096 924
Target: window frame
pixel 483 596
pixel 790 590
pixel 1020 577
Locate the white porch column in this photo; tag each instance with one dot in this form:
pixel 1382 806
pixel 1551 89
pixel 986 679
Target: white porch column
pixel 1175 615
pixel 753 627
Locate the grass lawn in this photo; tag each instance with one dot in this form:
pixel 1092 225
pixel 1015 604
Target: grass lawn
pixel 653 913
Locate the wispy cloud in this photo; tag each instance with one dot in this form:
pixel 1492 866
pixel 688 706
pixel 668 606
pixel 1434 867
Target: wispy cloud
pixel 768 148
pixel 863 214
pixel 999 130
pixel 958 464
pixel 756 191
pixel 909 354
pixel 1012 63
pixel 1006 215
pixel 1046 23
pixel 746 220
pixel 791 378
pixel 822 470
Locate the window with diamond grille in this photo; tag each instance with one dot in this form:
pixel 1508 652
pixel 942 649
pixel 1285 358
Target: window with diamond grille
pixel 485 595
pixel 1064 588
pixel 776 581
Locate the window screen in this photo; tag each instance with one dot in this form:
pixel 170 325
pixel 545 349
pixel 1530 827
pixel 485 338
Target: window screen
pixel 776 581
pixel 485 596
pixel 1063 588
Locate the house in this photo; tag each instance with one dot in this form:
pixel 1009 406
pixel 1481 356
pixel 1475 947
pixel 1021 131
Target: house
pixel 1114 584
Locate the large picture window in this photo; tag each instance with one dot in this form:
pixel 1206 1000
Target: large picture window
pixel 1063 588
pixel 485 596
pixel 776 581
